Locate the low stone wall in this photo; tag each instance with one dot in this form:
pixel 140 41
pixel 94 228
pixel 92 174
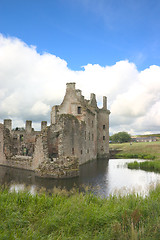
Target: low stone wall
pixel 102 156
pixel 23 162
pixel 57 168
pixel 113 152
pixel 67 167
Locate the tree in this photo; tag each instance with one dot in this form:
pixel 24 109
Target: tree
pixel 121 137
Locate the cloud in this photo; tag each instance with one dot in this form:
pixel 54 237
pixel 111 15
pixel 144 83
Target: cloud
pixel 31 83
pixel 40 108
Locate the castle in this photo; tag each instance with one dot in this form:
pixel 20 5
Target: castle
pixel 79 132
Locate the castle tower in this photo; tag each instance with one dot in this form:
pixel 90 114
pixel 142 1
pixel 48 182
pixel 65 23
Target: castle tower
pixel 93 101
pixel 70 86
pixel 43 125
pixel 8 123
pixel 54 114
pixel 28 126
pixel 104 102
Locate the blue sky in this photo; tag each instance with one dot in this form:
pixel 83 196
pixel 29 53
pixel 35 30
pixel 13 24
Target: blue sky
pixel 87 31
pixel 110 48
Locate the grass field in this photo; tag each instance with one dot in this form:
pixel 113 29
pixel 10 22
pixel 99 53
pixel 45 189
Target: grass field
pixel 65 216
pixel 150 149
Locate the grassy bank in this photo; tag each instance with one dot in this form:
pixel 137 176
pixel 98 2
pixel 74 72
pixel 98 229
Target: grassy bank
pixel 143 150
pixel 153 166
pixel 77 216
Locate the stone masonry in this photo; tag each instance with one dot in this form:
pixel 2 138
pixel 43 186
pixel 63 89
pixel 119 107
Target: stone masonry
pixel 79 132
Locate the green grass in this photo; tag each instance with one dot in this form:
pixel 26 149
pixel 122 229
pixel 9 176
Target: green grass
pixel 143 150
pixel 78 216
pixel 134 155
pixel 153 166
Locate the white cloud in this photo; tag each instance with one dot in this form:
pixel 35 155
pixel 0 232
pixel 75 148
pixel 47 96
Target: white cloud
pixel 40 108
pixel 30 84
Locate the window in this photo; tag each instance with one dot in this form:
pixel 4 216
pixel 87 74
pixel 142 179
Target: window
pixel 72 151
pixel 104 126
pixel 79 110
pixel 89 136
pixel 104 138
pixel 92 136
pixel 81 152
pixel 92 123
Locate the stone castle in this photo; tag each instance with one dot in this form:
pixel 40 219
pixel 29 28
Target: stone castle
pixel 79 132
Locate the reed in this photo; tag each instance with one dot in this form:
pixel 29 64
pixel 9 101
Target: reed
pixel 153 166
pixel 75 216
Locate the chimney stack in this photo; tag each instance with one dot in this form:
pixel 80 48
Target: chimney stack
pixel 28 126
pixel 104 102
pixel 70 86
pixel 43 125
pixel 8 124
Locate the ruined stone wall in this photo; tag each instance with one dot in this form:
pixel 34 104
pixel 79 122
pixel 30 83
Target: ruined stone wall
pixel 2 155
pixel 86 112
pixel 64 167
pixel 47 143
pixel 53 140
pixel 69 135
pixel 53 156
pixel 103 133
pixel 39 153
pixel 72 104
pixel 22 162
pixel 7 151
pixel 78 138
pixel 8 143
pixel 89 138
pixel 79 132
pixel 23 143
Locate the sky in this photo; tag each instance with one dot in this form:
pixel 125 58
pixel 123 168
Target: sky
pixel 110 48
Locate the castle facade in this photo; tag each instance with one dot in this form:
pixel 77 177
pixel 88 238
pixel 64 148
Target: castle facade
pixel 79 132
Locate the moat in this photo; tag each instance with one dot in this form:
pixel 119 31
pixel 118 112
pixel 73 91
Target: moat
pixel 104 177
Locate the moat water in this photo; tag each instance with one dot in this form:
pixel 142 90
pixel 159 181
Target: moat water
pixel 102 177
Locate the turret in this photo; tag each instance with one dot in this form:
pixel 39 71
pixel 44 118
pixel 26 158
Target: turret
pixel 28 126
pixel 43 125
pixel 54 114
pixel 93 101
pixel 8 124
pixel 104 102
pixel 70 86
pixel 78 92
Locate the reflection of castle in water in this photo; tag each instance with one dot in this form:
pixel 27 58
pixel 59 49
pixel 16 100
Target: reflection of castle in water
pixel 91 174
pixel 79 132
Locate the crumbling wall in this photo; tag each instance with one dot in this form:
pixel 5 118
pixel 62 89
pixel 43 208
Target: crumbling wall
pixel 79 132
pixel 53 141
pixel 22 162
pixel 69 136
pixel 8 155
pixel 23 142
pixel 2 155
pixel 41 150
pixel 90 137
pixel 65 167
pixel 103 133
pixel 7 143
pixel 53 155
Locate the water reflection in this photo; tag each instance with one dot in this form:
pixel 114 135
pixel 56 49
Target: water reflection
pixel 103 176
